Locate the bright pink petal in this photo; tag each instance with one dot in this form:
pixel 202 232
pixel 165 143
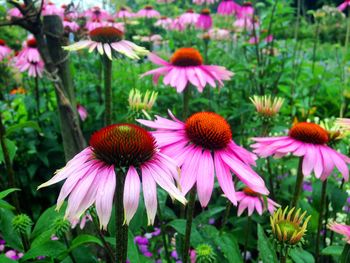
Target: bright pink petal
pixel 205 178
pixel 131 193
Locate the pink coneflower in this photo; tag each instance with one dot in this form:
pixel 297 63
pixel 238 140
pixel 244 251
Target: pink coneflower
pixel 228 7
pixel 93 24
pixel 186 66
pixel 91 174
pixel 219 34
pixel 201 2
pixel 83 114
pixel 176 25
pixel 5 51
pixel 248 199
pixel 246 24
pixel 204 20
pixel 109 40
pixel 34 69
pixel 50 9
pixel 308 140
pixel 246 10
pixel 96 13
pixel 341 229
pixel 189 18
pixel 164 22
pixel 70 12
pixel 256 40
pixel 70 25
pixel 148 12
pixel 30 51
pixel 344 123
pixel 202 147
pixel 124 13
pixel 344 5
pixel 14 12
pixel 112 23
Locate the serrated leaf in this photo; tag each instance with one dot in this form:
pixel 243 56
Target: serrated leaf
pixel 229 247
pixel 266 250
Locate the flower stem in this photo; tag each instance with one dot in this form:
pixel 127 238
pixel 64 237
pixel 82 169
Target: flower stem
pixel 107 67
pixel 8 165
pixel 298 184
pixel 186 102
pixel 190 210
pixel 37 97
pixel 249 222
pixel 345 256
pixel 121 229
pixel 226 215
pixel 164 235
pixel 320 219
pixel 68 246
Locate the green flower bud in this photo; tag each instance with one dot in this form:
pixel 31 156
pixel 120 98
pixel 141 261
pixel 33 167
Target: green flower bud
pixel 60 227
pixel 205 254
pixel 21 223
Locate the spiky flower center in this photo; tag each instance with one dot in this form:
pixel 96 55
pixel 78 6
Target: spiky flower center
pixel 106 34
pixel 148 7
pixel 186 57
pixel 309 133
pixel 205 11
pixel 32 43
pixel 250 192
pixel 209 130
pixel 288 227
pixel 123 145
pixel 2 42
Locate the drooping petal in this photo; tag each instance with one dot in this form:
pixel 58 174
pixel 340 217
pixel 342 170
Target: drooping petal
pixel 131 194
pixel 149 189
pixel 205 178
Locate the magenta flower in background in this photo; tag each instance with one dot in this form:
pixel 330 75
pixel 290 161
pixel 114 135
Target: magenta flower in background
pixel 344 5
pixel 93 24
pixel 186 66
pixel 91 177
pixel 246 24
pixel 70 12
pixel 30 51
pixel 82 112
pixel 124 13
pixel 112 23
pixel 204 20
pixel 2 245
pixel 189 18
pixel 202 147
pixel 108 41
pixel 13 254
pixel 5 51
pixel 246 11
pixel 341 229
pixel 70 25
pixel 148 12
pixel 228 7
pixel 201 2
pixel 219 34
pixel 307 140
pixel 251 200
pixel 176 25
pixel 164 22
pixel 14 12
pixel 96 13
pixel 50 9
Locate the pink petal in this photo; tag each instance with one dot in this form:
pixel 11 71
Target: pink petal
pixel 131 193
pixel 205 178
pixel 150 195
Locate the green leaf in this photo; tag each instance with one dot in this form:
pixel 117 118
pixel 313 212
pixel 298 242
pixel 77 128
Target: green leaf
pixel 332 251
pixel 229 248
pixel 345 255
pixel 300 255
pixel 48 249
pixel 266 250
pixel 5 193
pixel 84 239
pixel 11 147
pixel 133 252
pixel 6 205
pixel 180 226
pixel 28 124
pixel 4 259
pixel 7 232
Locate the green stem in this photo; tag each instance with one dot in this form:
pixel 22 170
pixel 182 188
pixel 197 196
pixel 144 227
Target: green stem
pixel 345 255
pixel 121 229
pixel 190 210
pixel 272 188
pixel 249 222
pixel 164 235
pixel 8 165
pixel 107 67
pixel 283 255
pixel 298 184
pixel 186 102
pixel 37 97
pixel 226 215
pixel 68 246
pixel 320 219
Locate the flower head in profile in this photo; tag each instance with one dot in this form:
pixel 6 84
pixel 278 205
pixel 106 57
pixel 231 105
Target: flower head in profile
pixel 307 140
pixel 96 12
pixel 289 228
pixel 204 20
pixel 91 174
pixel 70 25
pixel 164 22
pixel 266 105
pixel 14 13
pixel 109 41
pixel 248 199
pixel 202 2
pixel 148 12
pixel 219 34
pixel 341 229
pixel 246 10
pixel 5 51
pixel 344 5
pixel 189 18
pixel 186 66
pixel 228 7
pixel 50 9
pixel 83 114
pixel 124 13
pixel 202 147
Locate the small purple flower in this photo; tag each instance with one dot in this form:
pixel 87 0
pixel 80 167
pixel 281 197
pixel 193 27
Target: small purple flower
pixel 13 254
pixel 140 240
pixel 174 254
pixel 211 221
pixel 156 232
pixel 307 186
pixel 2 245
pixel 148 254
